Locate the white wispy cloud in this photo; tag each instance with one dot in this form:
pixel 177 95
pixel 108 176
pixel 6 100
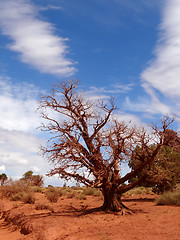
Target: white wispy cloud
pixel 48 7
pixel 34 39
pixel 144 105
pixel 128 118
pixel 19 152
pixel 2 168
pixel 163 71
pixel 18 106
pixel 113 89
pixel 19 140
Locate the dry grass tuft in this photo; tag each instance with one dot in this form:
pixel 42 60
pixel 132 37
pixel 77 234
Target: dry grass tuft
pixel 71 194
pixel 53 194
pixel 44 206
pixel 139 190
pixel 92 191
pixel 14 189
pixel 81 196
pixel 29 198
pixel 18 191
pixel 38 189
pixel 169 198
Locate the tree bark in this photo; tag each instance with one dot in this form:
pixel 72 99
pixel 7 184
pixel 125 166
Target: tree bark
pixel 112 201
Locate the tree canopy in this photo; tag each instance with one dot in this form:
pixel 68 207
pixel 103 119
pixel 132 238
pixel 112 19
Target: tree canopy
pixel 3 178
pixel 89 143
pixel 30 178
pixel 163 173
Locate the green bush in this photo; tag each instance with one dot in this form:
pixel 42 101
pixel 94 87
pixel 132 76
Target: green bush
pixel 169 198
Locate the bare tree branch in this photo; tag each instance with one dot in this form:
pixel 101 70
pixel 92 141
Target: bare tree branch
pixel 86 136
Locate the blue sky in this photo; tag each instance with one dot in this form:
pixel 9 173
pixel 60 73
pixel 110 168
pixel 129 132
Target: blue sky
pixel 126 48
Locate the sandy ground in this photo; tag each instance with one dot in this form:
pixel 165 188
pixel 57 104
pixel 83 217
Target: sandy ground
pixel 8 232
pixel 71 221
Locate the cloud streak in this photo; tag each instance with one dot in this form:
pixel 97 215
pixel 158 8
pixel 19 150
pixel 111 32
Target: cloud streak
pixel 19 152
pixel 18 105
pixel 163 71
pixel 19 144
pixel 155 106
pixel 113 89
pixel 34 39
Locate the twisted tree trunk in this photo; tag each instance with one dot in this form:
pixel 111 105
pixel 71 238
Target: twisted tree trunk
pixel 113 202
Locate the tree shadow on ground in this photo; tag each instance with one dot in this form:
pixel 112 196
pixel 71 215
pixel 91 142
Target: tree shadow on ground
pixel 139 200
pixel 8 227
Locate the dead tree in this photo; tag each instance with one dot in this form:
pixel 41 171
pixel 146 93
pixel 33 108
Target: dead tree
pixel 89 144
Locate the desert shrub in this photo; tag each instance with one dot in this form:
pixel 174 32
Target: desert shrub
pixel 18 191
pixel 53 194
pixel 14 189
pixel 71 194
pixel 38 189
pixel 81 196
pixel 97 193
pixel 88 191
pixel 139 190
pixel 77 188
pixel 169 198
pixel 29 198
pixel 66 190
pixel 15 205
pixel 44 206
pixel 17 196
pixel 41 206
pixel 79 192
pixel 92 191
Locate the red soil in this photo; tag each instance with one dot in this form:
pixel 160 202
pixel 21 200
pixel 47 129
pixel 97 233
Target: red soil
pixel 71 221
